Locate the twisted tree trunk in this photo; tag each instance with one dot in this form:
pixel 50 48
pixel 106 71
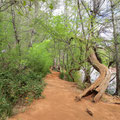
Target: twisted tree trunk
pixel 100 85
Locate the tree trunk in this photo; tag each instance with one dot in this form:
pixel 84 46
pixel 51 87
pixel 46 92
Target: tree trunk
pixel 87 76
pixel 118 82
pixel 15 30
pixel 116 50
pixel 99 86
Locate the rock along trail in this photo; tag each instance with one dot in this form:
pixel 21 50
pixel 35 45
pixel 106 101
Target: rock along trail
pixel 59 104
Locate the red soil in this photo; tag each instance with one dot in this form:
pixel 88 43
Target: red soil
pixel 59 104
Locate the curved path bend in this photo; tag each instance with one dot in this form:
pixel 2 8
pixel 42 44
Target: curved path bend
pixel 59 104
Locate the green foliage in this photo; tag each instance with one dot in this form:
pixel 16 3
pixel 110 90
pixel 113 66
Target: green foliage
pixel 104 56
pixel 39 59
pixel 21 76
pixel 24 3
pixel 17 87
pixel 68 77
pixel 81 85
pixel 61 76
pixel 51 6
pixel 77 78
pixel 65 76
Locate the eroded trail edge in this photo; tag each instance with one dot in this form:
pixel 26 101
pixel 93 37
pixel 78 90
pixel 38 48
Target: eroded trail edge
pixel 59 104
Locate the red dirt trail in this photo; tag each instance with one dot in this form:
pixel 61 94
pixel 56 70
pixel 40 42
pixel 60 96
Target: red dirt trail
pixel 59 104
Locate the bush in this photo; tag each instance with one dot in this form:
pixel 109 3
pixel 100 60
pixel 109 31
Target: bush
pixel 77 79
pixel 76 76
pixel 21 76
pixel 61 76
pixel 17 87
pixel 81 85
pixel 68 77
pixel 39 59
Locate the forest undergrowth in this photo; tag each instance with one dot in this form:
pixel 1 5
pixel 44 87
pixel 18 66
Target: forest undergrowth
pixel 21 78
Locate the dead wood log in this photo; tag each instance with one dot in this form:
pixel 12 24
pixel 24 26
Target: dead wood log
pixel 89 112
pixel 100 85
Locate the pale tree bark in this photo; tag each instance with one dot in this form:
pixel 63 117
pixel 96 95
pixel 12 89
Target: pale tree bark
pixel 116 50
pixel 80 15
pixel 100 85
pixel 36 3
pixel 59 58
pixel 15 29
pixel 55 57
pixel 86 70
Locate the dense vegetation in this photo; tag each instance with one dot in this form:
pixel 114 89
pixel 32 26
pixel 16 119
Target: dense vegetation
pixel 35 36
pixel 21 76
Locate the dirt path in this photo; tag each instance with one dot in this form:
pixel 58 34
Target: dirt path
pixel 59 104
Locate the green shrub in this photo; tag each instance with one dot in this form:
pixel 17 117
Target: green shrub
pixel 81 85
pixel 68 77
pixel 76 76
pixel 17 87
pixel 21 76
pixel 77 79
pixel 39 59
pixel 61 76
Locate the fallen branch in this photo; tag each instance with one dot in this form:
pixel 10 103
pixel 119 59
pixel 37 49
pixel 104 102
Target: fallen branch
pixel 89 112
